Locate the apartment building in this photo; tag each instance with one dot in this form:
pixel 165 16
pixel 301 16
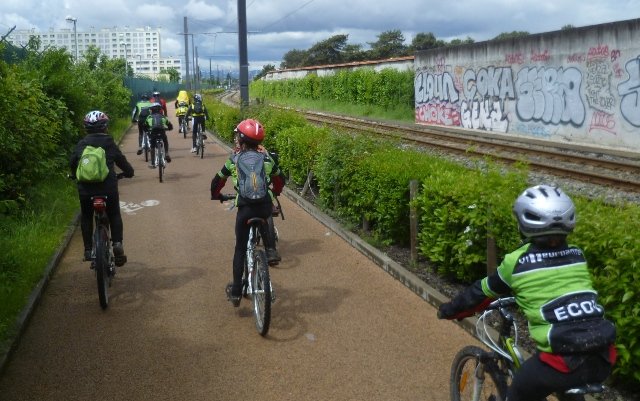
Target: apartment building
pixel 141 47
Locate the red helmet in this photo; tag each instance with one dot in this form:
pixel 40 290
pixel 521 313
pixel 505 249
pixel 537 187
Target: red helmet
pixel 250 131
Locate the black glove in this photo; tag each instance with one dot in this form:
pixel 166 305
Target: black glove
pixel 446 311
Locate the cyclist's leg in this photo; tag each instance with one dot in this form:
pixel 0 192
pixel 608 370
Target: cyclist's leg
pixel 535 379
pixel 165 140
pixel 86 223
pixel 239 254
pixel 268 235
pixel 140 135
pixel 194 133
pixel 117 227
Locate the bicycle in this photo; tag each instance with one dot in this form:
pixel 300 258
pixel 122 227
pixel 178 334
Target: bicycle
pixel 145 144
pixel 183 125
pixel 200 137
pixel 102 257
pixel 472 365
pixel 158 154
pixel 256 281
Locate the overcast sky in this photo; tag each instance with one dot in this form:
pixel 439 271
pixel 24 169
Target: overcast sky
pixel 277 26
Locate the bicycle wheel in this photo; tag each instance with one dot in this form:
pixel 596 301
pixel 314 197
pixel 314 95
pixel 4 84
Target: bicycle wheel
pixel 102 265
pixel 474 380
pixel 201 144
pixel 184 128
pixel 145 145
pixel 160 161
pixel 261 284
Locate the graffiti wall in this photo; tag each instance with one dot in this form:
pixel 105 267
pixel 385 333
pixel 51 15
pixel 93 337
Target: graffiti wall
pixel 580 85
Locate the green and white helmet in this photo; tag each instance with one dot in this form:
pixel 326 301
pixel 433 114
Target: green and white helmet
pixel 544 210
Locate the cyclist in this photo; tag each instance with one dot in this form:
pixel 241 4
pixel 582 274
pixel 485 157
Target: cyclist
pixel 250 134
pixel 182 106
pixel 158 99
pixel 273 257
pixel 139 115
pixel 552 286
pixel 158 124
pixel 96 123
pixel 199 112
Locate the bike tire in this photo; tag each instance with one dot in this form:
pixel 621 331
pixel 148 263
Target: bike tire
pixel 184 130
pixel 102 265
pixel 146 154
pixel 160 162
pixel 261 283
pixel 464 383
pixel 201 146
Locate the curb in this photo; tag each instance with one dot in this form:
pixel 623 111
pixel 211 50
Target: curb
pixel 35 295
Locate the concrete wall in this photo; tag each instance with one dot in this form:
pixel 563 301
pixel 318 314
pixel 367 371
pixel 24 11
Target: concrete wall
pixel 580 85
pixel 399 63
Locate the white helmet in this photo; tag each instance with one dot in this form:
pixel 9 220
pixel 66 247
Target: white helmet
pixel 544 210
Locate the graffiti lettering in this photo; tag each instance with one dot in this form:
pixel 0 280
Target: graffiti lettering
pixel 514 58
pixel 576 58
pixel 550 95
pixel 490 81
pixel 438 114
pixel 602 121
pixel 540 57
pixel 598 91
pixel 483 114
pixel 598 52
pixel 629 92
pixel 439 87
pixel 615 54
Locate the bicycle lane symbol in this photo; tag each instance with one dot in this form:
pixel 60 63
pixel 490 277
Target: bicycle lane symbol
pixel 132 208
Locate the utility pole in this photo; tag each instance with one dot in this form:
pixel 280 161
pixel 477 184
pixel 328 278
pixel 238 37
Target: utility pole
pixel 242 48
pixel 186 52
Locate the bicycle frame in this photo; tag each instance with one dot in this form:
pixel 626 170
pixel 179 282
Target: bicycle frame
pixel 500 363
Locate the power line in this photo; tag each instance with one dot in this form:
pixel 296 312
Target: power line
pixel 288 15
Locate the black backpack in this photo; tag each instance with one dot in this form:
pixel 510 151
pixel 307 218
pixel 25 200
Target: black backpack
pixel 197 107
pixel 156 123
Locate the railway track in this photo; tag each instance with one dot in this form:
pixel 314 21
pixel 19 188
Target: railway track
pixel 606 167
pixel 615 169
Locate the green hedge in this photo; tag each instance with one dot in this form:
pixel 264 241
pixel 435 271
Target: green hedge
pixel 359 178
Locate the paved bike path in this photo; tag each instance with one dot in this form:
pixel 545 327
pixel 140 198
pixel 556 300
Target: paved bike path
pixel 342 327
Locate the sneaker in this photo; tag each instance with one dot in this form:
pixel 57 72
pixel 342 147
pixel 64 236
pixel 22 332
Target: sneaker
pixel 118 253
pixel 204 137
pixel 193 149
pixel 139 152
pixel 152 165
pixel 234 299
pixel 87 255
pixel 273 257
pixel 167 158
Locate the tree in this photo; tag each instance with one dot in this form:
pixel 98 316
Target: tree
pixel 265 70
pixel 293 58
pixel 172 72
pixel 352 53
pixel 511 35
pixel 425 41
pixel 567 27
pixel 328 51
pixel 458 42
pixel 389 44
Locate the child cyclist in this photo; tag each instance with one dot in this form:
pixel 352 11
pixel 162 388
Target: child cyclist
pixel 250 134
pixel 552 286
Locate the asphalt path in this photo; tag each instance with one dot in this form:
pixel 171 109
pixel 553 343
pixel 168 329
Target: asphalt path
pixel 342 327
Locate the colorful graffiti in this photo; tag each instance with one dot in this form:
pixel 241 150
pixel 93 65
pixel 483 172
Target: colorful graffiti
pixel 629 92
pixel 536 92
